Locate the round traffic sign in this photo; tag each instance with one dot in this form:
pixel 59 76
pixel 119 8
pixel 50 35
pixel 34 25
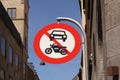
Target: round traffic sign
pixel 57 43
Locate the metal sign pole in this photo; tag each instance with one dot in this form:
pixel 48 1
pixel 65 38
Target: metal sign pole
pixel 85 55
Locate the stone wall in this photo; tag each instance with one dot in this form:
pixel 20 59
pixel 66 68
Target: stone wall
pixel 112 27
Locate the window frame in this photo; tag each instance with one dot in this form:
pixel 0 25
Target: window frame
pixel 17 61
pixel 10 55
pixel 12 12
pixel 3 52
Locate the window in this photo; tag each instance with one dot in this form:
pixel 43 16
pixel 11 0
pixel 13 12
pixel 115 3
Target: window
pixel 3 46
pixel 89 7
pixel 24 68
pixel 11 55
pixel 25 43
pixel 26 19
pixel 84 4
pixel 94 50
pixel 91 16
pixel 99 14
pixel 90 69
pixel 17 61
pixel 2 75
pixel 12 12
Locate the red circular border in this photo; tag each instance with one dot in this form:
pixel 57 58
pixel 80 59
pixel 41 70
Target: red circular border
pixel 67 27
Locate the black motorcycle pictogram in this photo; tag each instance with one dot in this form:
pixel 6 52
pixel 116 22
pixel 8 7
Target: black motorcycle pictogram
pixel 57 49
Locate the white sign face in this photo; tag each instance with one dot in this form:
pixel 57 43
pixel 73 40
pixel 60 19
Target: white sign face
pixel 57 42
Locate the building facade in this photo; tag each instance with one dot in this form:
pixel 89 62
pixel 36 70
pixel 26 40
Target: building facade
pixel 11 49
pixel 18 12
pixel 31 72
pixel 13 39
pixel 102 28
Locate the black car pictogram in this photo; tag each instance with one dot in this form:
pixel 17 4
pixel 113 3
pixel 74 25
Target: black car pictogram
pixel 56 49
pixel 58 34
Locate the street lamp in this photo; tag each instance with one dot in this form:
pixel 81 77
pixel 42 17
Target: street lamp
pixel 85 56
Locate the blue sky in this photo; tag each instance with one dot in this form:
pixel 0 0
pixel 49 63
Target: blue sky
pixel 44 12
